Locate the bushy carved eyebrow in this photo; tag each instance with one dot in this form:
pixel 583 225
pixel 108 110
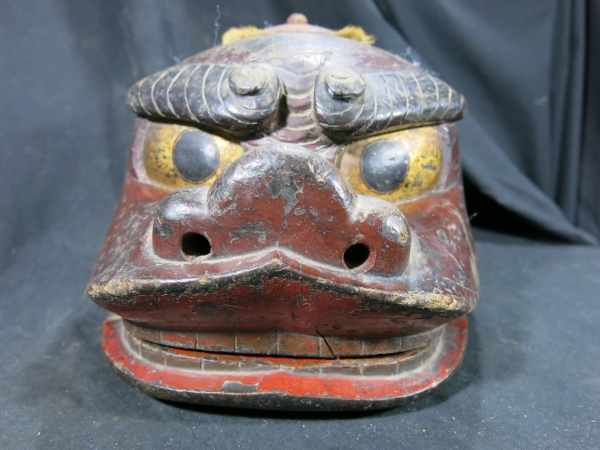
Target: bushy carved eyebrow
pixel 240 99
pixel 245 99
pixel 349 104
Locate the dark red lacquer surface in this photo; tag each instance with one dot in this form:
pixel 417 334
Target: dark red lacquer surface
pixel 274 310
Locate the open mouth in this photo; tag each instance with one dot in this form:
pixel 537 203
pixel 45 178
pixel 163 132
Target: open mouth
pixel 283 370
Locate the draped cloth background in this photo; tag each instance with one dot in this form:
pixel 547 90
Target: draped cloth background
pixel 530 143
pixel 531 154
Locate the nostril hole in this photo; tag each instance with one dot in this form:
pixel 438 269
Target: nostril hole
pixel 195 245
pixel 356 255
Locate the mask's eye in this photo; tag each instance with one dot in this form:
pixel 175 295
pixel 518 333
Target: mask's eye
pixel 196 156
pixel 384 165
pixel 176 156
pixel 395 166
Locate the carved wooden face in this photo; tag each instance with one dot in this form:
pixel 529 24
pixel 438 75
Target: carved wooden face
pixel 293 200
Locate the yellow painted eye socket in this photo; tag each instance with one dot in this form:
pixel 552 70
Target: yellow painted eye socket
pixel 177 156
pixel 394 166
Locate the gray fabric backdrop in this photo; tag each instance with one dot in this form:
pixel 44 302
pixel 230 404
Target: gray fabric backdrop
pixel 530 71
pixel 529 145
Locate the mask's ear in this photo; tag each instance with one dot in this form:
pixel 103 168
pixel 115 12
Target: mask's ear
pixel 242 99
pixel 349 104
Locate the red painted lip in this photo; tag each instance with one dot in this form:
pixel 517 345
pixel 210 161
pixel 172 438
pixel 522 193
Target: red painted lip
pixel 183 375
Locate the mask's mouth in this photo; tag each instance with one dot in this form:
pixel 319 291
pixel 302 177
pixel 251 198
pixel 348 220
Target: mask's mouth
pixel 256 370
pixel 284 343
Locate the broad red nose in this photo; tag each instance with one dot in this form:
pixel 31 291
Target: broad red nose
pixel 286 197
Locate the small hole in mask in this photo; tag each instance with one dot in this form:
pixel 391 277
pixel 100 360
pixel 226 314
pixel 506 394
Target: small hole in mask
pixel 356 255
pixel 195 245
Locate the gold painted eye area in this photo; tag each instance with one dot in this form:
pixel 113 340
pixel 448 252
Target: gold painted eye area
pixel 394 167
pixel 177 156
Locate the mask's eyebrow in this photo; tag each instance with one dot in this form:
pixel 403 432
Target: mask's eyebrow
pixel 242 99
pixel 351 105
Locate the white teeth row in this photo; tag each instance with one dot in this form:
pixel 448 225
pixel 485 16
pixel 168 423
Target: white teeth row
pixel 373 366
pixel 283 343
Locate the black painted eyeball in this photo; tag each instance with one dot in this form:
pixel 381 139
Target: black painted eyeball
pixel 384 165
pixel 196 156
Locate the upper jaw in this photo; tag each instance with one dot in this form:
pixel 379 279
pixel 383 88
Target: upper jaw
pixel 258 269
pixel 276 288
pixel 272 289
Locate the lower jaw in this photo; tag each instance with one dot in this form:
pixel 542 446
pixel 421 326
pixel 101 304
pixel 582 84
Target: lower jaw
pixel 284 383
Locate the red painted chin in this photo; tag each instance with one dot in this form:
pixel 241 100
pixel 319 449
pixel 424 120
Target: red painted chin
pixel 276 382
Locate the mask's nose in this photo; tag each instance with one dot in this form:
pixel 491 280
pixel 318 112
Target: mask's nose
pixel 286 197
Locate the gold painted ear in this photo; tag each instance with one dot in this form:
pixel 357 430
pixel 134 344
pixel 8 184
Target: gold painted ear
pixel 356 33
pixel 235 34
